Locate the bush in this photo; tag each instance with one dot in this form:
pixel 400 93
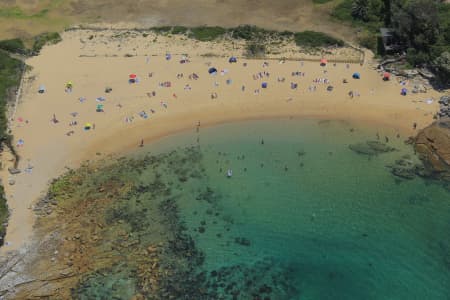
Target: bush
pixel 315 39
pixel 207 33
pixel 343 11
pixel 416 58
pixel 256 50
pixel 14 46
pixel 44 39
pixel 368 40
pixel 179 30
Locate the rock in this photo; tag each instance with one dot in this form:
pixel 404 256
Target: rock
pixel 433 145
pixel 13 171
pixel 242 241
pixel 371 148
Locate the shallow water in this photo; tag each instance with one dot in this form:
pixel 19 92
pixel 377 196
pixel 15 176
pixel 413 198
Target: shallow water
pixel 302 217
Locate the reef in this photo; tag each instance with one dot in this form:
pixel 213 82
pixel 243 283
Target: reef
pixel 371 148
pixel 113 229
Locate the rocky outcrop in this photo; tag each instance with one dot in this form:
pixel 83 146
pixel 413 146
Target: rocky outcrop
pixel 433 146
pixel 444 107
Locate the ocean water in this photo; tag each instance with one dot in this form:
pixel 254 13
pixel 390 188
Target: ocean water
pixel 302 216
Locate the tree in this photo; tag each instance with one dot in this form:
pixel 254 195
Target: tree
pixel 416 22
pixel 360 10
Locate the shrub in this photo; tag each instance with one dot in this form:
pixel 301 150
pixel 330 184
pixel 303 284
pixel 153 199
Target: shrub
pixel 207 33
pixel 44 39
pixel 14 46
pixel 315 39
pixel 256 50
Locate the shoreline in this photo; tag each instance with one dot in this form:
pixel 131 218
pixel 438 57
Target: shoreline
pixel 52 152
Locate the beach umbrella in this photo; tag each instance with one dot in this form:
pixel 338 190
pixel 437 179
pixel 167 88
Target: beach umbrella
pixel 212 70
pixel 232 59
pixel 323 62
pixel 87 126
pixel 133 76
pixel 41 89
pixel 404 91
pixel 356 75
pixel 264 85
pixel 99 108
pixel 386 76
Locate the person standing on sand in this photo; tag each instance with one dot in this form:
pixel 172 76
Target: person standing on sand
pixel 142 143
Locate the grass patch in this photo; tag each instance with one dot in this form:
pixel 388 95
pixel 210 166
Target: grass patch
pixel 313 39
pixel 14 46
pixel 207 33
pixel 17 13
pixel 44 39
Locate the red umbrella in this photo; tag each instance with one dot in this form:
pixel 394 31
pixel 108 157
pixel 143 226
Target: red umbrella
pixel 323 61
pixel 133 76
pixel 386 75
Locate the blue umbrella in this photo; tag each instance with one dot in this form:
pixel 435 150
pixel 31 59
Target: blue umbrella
pixel 356 76
pixel 264 85
pixel 212 70
pixel 232 59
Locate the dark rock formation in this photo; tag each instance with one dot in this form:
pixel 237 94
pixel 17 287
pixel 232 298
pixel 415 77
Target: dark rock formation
pixel 433 145
pixel 444 107
pixel 371 148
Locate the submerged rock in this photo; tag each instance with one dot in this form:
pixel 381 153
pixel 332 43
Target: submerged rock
pixel 371 148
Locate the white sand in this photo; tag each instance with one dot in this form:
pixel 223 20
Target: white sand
pixel 94 64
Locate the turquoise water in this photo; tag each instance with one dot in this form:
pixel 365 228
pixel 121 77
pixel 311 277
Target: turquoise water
pixel 313 219
pixel 304 216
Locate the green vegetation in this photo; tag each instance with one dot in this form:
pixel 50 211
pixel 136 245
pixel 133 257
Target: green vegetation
pixel 207 33
pixel 44 39
pixel 17 13
pixel 255 36
pixel 10 71
pixel 315 39
pixel 422 26
pixel 321 1
pixel 14 46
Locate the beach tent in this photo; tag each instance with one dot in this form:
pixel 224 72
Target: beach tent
pixel 41 89
pixel 232 59
pixel 404 91
pixel 330 88
pixel 323 62
pixel 386 76
pixel 212 70
pixel 264 85
pixel 87 126
pixel 356 75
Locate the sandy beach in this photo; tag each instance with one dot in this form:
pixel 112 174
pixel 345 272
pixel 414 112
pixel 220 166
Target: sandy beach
pixel 167 98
